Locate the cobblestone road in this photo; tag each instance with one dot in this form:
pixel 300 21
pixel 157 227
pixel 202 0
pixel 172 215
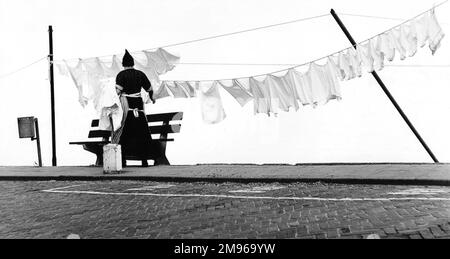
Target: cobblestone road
pixel 126 209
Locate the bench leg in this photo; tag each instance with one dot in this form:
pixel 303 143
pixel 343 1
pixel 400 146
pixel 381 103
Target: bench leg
pixel 99 161
pixel 144 163
pixel 162 160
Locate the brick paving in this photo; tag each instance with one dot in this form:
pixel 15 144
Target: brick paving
pixel 29 212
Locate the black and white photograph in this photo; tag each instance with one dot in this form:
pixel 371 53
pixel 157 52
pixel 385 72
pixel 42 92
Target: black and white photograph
pixel 224 126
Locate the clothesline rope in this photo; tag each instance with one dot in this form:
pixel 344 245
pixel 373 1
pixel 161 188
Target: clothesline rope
pixel 217 36
pixel 22 68
pixel 376 17
pixel 371 16
pixel 285 64
pixel 332 54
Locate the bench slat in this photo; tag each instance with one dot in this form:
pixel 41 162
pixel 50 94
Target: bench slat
pixel 107 142
pixel 173 116
pixel 89 142
pixel 159 129
pixel 165 129
pixel 99 134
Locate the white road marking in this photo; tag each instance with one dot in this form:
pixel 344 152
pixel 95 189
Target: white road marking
pixel 193 195
pixel 419 191
pixel 258 189
pixel 152 187
pixel 65 187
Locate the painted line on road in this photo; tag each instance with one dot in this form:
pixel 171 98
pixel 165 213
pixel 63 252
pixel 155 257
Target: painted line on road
pixel 419 191
pixel 193 195
pixel 152 187
pixel 258 189
pixel 66 187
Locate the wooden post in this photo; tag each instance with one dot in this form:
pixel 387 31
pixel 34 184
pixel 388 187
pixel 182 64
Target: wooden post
pixel 38 141
pixel 386 91
pixel 52 94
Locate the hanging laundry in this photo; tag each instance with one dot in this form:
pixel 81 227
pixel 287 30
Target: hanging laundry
pixel 377 54
pixel 408 39
pixel 365 53
pixel 162 60
pixel 186 87
pixel 110 107
pixel 345 69
pixel 211 103
pixel 355 62
pixel 176 91
pixel 435 32
pixel 421 28
pixel 79 77
pixel 94 67
pixel 95 81
pixel 281 91
pixel 161 92
pixel 324 85
pixel 301 85
pixel 387 46
pixel 331 72
pixel 62 69
pixel 113 69
pixel 396 39
pixel 237 91
pixel 261 98
pixel 149 71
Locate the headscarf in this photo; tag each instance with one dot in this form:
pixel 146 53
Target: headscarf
pixel 127 60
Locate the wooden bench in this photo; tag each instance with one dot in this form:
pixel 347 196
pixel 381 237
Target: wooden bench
pixel 161 124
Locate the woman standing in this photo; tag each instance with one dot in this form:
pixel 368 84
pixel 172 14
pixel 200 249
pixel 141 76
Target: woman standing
pixel 134 135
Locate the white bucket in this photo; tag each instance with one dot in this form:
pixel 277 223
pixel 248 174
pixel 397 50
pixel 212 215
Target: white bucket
pixel 112 159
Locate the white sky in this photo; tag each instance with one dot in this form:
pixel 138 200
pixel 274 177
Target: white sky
pixel 363 127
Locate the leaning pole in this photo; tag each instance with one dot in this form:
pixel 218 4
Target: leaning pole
pixel 386 91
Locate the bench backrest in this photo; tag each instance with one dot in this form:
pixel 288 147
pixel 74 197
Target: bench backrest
pixel 162 124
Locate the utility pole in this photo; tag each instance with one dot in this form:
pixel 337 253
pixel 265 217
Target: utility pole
pixel 52 94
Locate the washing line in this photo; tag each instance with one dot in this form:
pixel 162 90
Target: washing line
pixel 376 17
pixel 22 68
pixel 217 36
pixel 372 16
pixel 332 54
pixel 287 64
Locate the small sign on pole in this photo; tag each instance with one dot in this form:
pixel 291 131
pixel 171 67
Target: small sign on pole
pixel 29 128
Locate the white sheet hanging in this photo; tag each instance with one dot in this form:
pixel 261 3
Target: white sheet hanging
pixel 325 86
pixel 112 70
pixel 149 71
pixel 186 87
pixel 435 32
pixel 365 53
pixel 355 62
pixel 79 78
pixel 237 91
pixel 281 92
pixel 377 54
pixel 161 91
pixel 176 90
pixel 396 36
pixel 161 60
pixel 301 84
pixel 387 46
pixel 110 107
pixel 261 98
pixel 345 69
pixel 211 103
pixel 408 39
